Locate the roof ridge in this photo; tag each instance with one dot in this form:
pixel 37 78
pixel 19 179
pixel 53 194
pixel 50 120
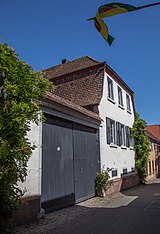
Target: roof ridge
pixel 153 125
pixel 70 61
pixel 95 60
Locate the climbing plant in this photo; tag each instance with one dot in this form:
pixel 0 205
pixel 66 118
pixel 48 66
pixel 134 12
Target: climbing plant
pixel 141 147
pixel 20 87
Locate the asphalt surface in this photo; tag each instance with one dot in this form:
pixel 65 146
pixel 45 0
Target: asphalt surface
pixel 135 211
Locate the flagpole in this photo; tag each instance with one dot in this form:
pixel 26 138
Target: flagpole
pixel 149 5
pixel 138 8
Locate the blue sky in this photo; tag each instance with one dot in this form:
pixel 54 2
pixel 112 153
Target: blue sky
pixel 45 32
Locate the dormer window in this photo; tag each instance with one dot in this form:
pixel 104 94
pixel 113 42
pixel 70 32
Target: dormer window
pixel 110 89
pixel 120 97
pixel 128 103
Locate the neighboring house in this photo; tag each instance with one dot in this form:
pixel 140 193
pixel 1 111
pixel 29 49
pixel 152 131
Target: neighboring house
pixel 95 86
pixel 62 168
pixel 153 167
pixel 154 130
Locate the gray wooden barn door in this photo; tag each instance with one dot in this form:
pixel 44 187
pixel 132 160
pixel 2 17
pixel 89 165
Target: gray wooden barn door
pixel 57 164
pixel 86 161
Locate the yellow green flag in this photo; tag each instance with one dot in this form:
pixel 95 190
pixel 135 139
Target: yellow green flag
pixel 102 28
pixel 112 9
pixel 109 10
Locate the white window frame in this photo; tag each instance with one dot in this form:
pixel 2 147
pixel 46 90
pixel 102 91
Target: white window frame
pixel 123 135
pixel 110 89
pixel 128 103
pixel 120 97
pixel 110 129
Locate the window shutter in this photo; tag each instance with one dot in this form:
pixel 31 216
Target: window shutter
pixel 108 126
pixel 112 90
pixel 127 136
pixel 120 134
pixel 131 138
pixel 126 128
pixel 124 136
pixel 114 130
pixel 118 130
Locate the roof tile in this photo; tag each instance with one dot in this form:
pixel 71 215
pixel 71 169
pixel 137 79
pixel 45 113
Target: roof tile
pixel 70 66
pixel 154 130
pixel 54 98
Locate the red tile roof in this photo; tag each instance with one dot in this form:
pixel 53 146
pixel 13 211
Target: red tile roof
pixel 70 66
pixel 154 130
pixel 81 80
pixel 151 136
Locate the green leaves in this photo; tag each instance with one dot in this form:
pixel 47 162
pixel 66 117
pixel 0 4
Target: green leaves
pixel 141 147
pixel 20 87
pixel 102 181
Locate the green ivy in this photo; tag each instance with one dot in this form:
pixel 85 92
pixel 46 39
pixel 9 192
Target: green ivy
pixel 141 147
pixel 20 87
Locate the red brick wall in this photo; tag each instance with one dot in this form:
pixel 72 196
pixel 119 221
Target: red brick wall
pixel 29 211
pixel 123 183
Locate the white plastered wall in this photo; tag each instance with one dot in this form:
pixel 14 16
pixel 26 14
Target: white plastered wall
pixel 32 185
pixel 117 158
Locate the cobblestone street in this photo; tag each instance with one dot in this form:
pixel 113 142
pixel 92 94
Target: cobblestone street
pixel 134 211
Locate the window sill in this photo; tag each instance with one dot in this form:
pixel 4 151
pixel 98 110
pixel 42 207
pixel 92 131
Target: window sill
pixel 131 148
pixel 123 147
pixel 113 145
pixel 129 112
pixel 122 107
pixel 111 100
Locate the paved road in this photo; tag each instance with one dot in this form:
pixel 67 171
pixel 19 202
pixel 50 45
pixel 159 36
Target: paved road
pixel 135 211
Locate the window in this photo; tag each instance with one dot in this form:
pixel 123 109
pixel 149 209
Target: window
pixel 123 135
pixel 110 131
pixel 127 136
pixel 124 170
pixel 128 103
pixel 131 139
pixel 150 145
pixel 114 172
pixel 120 98
pixel 153 166
pixel 158 148
pixel 133 169
pixel 120 129
pixel 150 170
pixel 110 89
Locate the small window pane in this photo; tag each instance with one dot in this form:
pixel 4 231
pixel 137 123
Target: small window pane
pixel 114 172
pixel 110 128
pixel 120 99
pixel 110 89
pixel 128 102
pixel 124 170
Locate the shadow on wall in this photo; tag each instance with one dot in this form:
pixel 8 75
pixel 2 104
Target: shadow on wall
pixel 126 181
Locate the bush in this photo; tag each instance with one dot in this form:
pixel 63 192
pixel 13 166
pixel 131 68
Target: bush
pixel 102 181
pixel 19 89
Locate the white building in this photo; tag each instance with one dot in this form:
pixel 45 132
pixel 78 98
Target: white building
pixel 117 112
pixel 95 86
pixel 88 122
